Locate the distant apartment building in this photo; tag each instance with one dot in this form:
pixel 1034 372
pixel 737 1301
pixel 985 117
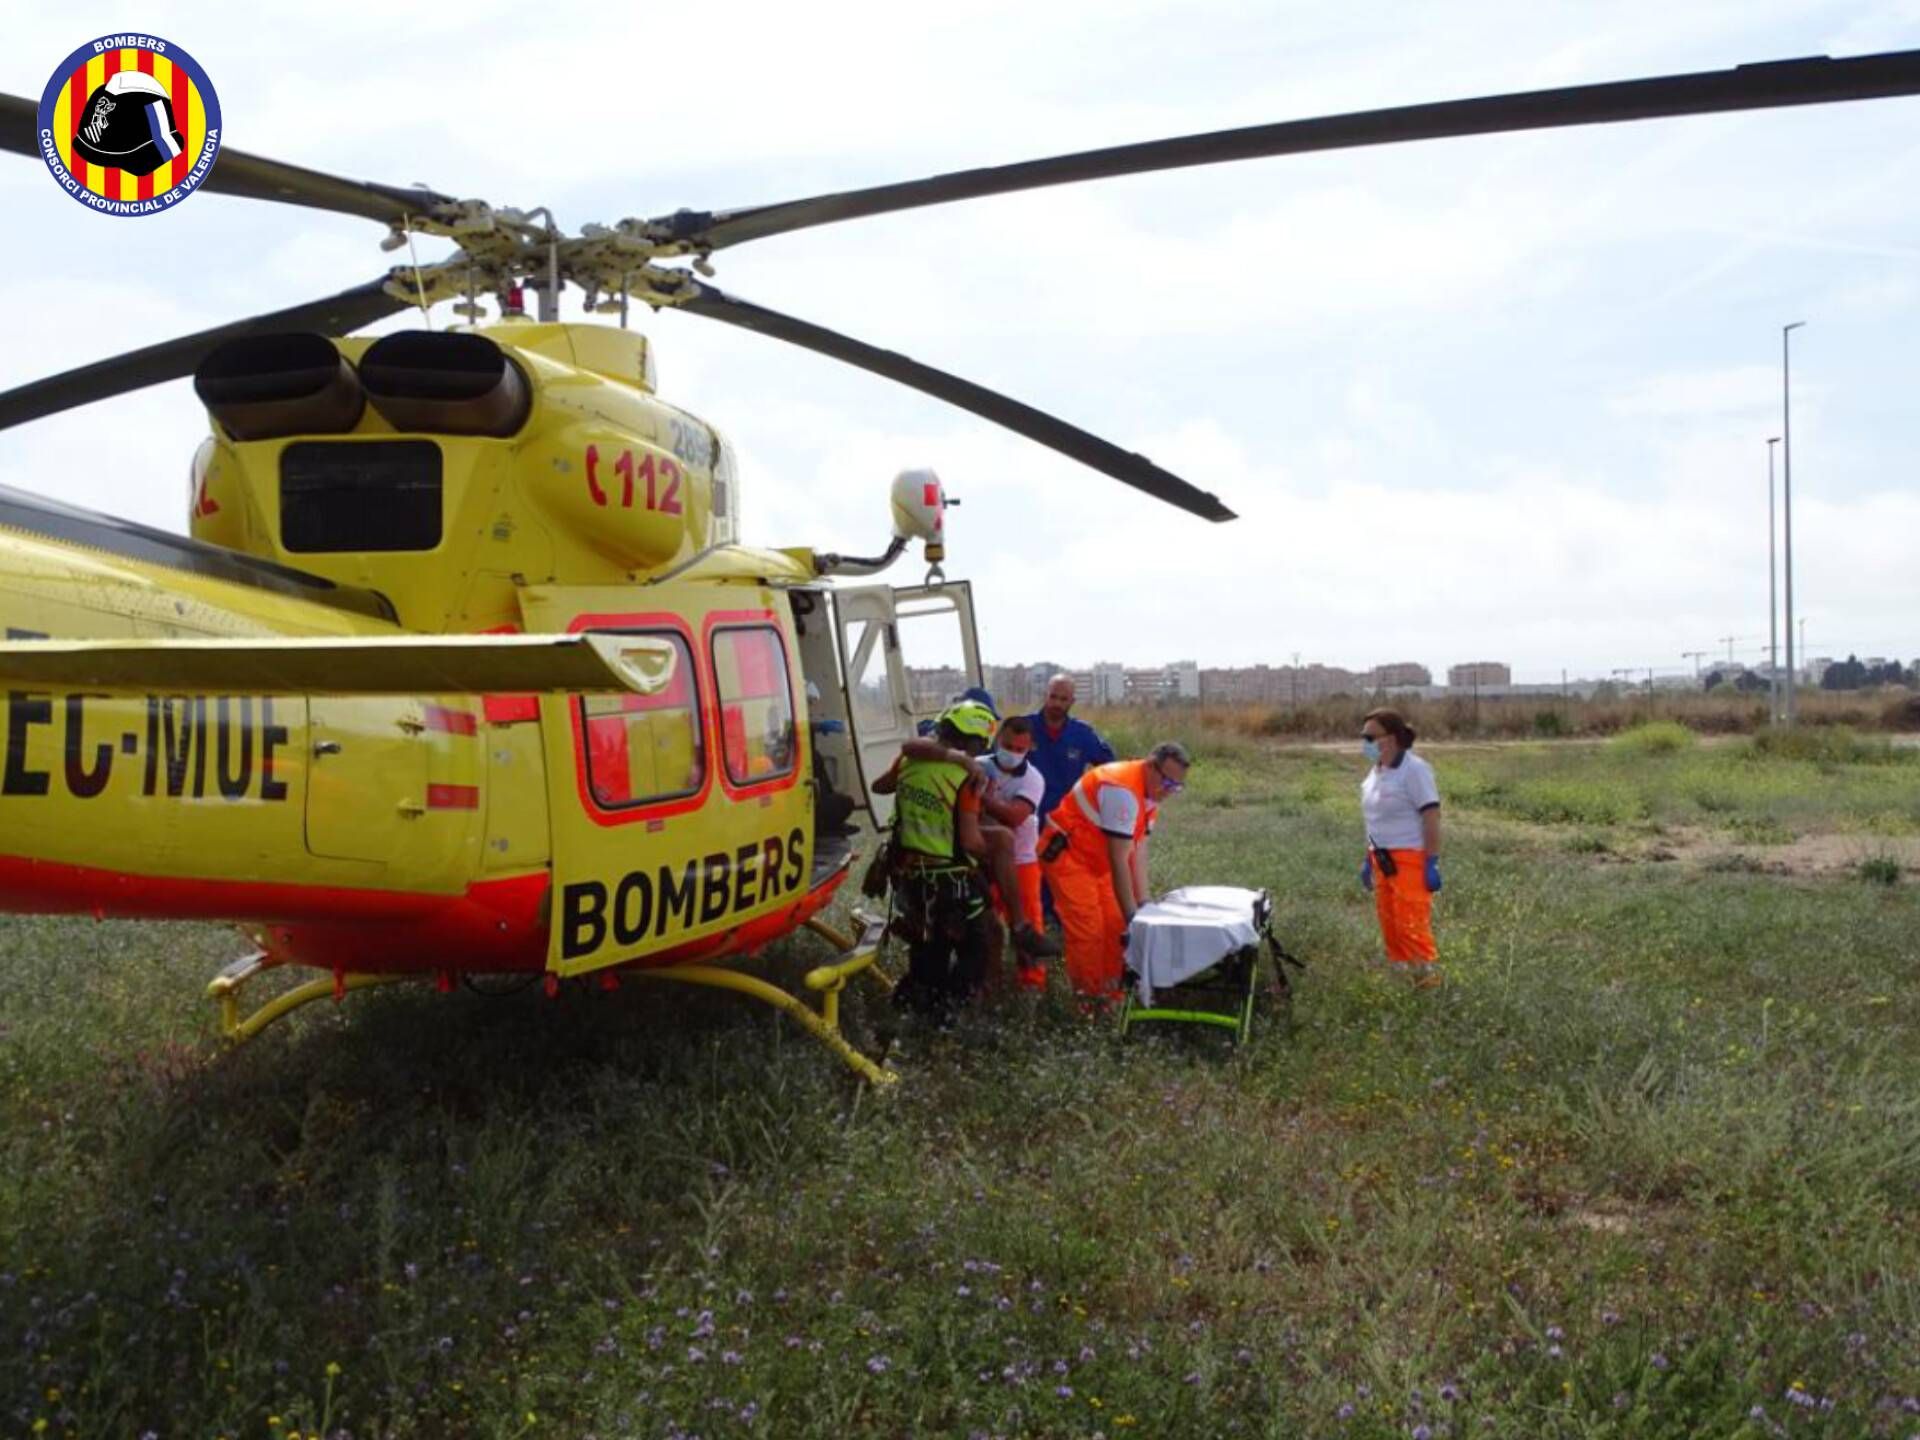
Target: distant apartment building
pixel 1104 684
pixel 1019 689
pixel 1403 675
pixel 1279 684
pixel 1164 684
pixel 1479 675
pixel 1241 685
pixel 930 690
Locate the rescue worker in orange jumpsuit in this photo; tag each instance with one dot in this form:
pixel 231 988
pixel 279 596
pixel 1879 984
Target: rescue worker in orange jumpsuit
pixel 1095 853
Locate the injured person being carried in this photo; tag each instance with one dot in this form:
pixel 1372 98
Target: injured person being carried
pixel 934 862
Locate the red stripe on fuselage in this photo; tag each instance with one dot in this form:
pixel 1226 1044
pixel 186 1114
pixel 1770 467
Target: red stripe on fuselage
pixel 449 721
pixel 453 797
pixel 492 927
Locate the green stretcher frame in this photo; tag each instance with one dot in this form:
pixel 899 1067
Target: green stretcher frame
pixel 1236 977
pixel 1241 971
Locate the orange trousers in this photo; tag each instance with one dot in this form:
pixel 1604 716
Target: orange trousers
pixel 1405 908
pixel 1090 920
pixel 1032 976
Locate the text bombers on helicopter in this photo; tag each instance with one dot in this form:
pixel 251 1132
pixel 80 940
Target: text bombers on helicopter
pixel 462 669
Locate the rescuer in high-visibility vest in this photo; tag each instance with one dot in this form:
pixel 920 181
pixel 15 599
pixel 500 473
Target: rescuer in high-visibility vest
pixel 1094 848
pixel 940 896
pixel 1008 853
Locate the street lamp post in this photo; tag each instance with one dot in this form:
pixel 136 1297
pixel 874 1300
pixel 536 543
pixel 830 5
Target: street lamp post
pixel 1773 599
pixel 1786 493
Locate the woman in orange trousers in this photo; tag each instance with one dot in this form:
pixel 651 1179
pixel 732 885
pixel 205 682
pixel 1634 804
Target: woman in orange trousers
pixel 1401 804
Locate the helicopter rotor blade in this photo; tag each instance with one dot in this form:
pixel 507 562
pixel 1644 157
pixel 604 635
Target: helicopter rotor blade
pixel 254 177
pixel 1109 459
pixel 1815 81
pixel 171 359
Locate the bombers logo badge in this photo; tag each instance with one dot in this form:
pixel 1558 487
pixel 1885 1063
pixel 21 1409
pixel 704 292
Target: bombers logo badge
pixel 129 124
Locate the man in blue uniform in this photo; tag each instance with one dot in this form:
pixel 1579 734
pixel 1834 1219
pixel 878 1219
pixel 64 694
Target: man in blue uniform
pixel 1064 749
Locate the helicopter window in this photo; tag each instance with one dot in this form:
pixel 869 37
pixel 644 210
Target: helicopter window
pixel 756 703
pixel 346 495
pixel 642 749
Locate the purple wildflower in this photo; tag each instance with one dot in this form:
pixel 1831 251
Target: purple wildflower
pixel 1658 1360
pixel 1345 1412
pixel 878 1364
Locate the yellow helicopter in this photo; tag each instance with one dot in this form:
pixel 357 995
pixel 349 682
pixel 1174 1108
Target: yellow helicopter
pixel 461 668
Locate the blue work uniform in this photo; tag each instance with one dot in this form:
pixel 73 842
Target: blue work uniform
pixel 1063 759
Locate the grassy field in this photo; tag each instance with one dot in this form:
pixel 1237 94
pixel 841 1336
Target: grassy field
pixel 1648 1166
pixel 1536 716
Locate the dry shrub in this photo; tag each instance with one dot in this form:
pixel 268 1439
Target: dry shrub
pixel 1902 713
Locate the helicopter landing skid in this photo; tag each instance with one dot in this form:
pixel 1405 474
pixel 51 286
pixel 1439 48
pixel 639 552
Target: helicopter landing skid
pixel 224 990
pixel 858 956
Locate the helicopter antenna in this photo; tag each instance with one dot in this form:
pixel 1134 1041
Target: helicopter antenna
pixel 470 307
pixel 419 286
pixel 549 311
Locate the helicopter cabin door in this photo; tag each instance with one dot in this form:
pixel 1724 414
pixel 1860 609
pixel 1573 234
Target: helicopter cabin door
pixel 681 824
pixel 904 654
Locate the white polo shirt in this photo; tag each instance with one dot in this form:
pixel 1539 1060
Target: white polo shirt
pixel 1392 799
pixel 1028 784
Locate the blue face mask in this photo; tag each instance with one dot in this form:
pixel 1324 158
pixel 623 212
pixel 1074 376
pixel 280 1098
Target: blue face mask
pixel 1370 748
pixel 1009 760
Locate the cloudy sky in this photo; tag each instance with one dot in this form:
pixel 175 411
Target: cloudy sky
pixel 1496 398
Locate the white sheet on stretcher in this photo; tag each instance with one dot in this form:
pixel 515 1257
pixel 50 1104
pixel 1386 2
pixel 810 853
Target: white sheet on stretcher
pixel 1187 931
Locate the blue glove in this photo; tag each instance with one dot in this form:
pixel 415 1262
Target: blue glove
pixel 1366 874
pixel 1433 874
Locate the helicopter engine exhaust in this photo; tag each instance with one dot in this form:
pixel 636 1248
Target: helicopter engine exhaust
pixel 262 387
pixel 445 384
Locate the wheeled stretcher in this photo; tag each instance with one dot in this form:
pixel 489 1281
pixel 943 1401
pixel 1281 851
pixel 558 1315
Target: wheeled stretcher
pixel 1193 957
